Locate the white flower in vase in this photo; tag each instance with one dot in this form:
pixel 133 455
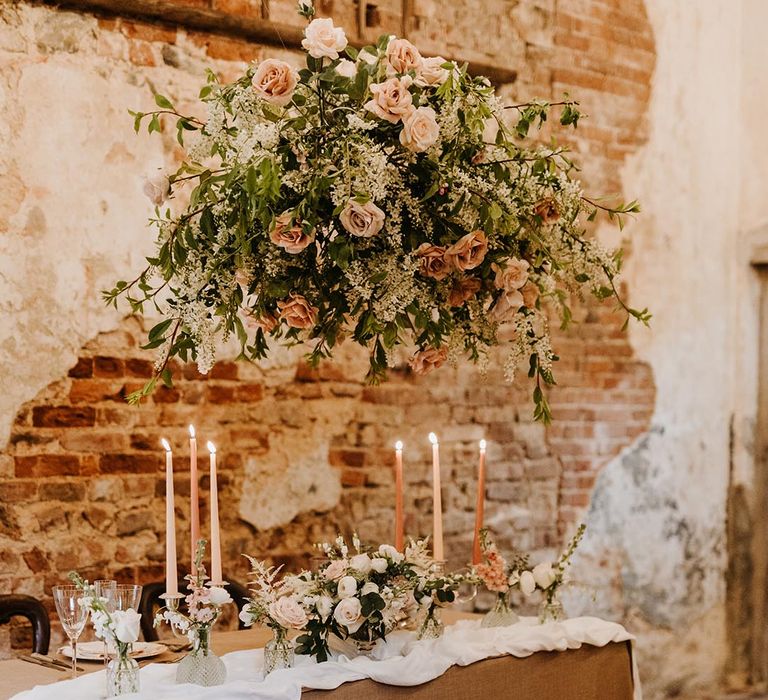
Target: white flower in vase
pixel 219 596
pixel 347 587
pixel 361 563
pixel 544 575
pixel 126 625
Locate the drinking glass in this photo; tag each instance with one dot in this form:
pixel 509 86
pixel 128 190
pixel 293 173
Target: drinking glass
pixel 106 589
pixel 127 595
pixel 72 615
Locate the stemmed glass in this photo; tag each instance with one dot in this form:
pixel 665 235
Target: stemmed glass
pixel 72 614
pixel 127 595
pixel 106 589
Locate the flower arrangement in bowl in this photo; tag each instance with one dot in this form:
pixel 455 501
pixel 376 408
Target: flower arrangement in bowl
pixel 119 629
pixel 501 577
pixel 204 605
pixel 378 195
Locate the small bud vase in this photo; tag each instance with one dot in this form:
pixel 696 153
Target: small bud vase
pixel 551 610
pixel 278 651
pixel 432 626
pixel 201 666
pixel 501 614
pixel 122 673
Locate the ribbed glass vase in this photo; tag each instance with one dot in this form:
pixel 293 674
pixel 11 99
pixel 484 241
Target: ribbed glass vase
pixel 201 666
pixel 501 614
pixel 122 673
pixel 278 652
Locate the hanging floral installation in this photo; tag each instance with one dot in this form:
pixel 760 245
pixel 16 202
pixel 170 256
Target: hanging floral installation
pixel 377 195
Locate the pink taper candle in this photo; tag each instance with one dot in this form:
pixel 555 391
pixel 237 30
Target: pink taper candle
pixel 194 497
pixel 437 502
pixel 171 578
pixel 216 577
pixel 399 522
pixel 477 555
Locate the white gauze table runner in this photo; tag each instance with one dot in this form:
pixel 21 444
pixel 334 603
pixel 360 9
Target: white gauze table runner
pixel 402 661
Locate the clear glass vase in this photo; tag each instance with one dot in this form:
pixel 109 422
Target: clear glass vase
pixel 501 614
pixel 201 666
pixel 551 610
pixel 431 626
pixel 122 673
pixel 278 652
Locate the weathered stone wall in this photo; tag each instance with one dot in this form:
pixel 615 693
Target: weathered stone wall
pixel 307 454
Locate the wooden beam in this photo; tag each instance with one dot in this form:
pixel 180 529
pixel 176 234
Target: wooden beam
pixel 255 29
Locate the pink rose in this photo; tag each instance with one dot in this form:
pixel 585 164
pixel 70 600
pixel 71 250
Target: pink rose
pixel 274 81
pixel 433 262
pixel 266 321
pixel 424 361
pixel 297 312
pixel 391 99
pixel 546 209
pixel 402 56
pixel 420 130
pixel 336 569
pixel 506 306
pixel 363 220
pixel 511 273
pixel 349 613
pixel 288 613
pixel 468 252
pixel 432 73
pixel 463 290
pixel 323 40
pixel 291 238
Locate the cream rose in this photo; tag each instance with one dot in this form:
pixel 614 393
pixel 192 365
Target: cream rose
pixel 420 130
pixel 391 99
pixel 346 68
pixel 157 188
pixel 463 290
pixel 432 73
pixel 336 569
pixel 468 252
pixel 349 614
pixel 506 306
pixel 511 273
pixel 424 361
pixel 527 583
pixel 291 238
pixel 323 40
pixel 379 565
pixel 363 220
pixel 361 563
pixel 126 625
pixel 388 550
pixel 219 596
pixel 288 613
pixel 297 312
pixel 346 587
pixel 432 261
pixel 544 575
pixel 274 81
pixel 402 56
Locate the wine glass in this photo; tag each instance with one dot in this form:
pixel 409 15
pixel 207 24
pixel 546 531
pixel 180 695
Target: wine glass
pixel 72 614
pixel 127 595
pixel 106 589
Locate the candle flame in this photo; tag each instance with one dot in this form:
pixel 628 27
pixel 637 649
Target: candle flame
pixel 482 445
pixel 166 445
pixel 433 438
pixel 211 447
pixel 399 445
pixel 191 430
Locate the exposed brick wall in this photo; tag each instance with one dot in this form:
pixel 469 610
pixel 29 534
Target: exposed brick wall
pixel 81 481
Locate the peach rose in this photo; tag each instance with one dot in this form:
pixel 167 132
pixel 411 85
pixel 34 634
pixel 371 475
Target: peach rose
pixel 546 209
pixel 468 252
pixel 336 569
pixel 363 220
pixel 420 130
pixel 433 262
pixel 402 56
pixel 391 99
pixel 274 81
pixel 530 294
pixel 288 613
pixel 322 39
pixel 267 321
pixel 463 290
pixel 291 238
pixel 427 359
pixel 511 273
pixel 297 312
pixel 432 73
pixel 506 306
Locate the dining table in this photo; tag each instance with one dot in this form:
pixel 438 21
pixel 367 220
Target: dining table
pixel 588 672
